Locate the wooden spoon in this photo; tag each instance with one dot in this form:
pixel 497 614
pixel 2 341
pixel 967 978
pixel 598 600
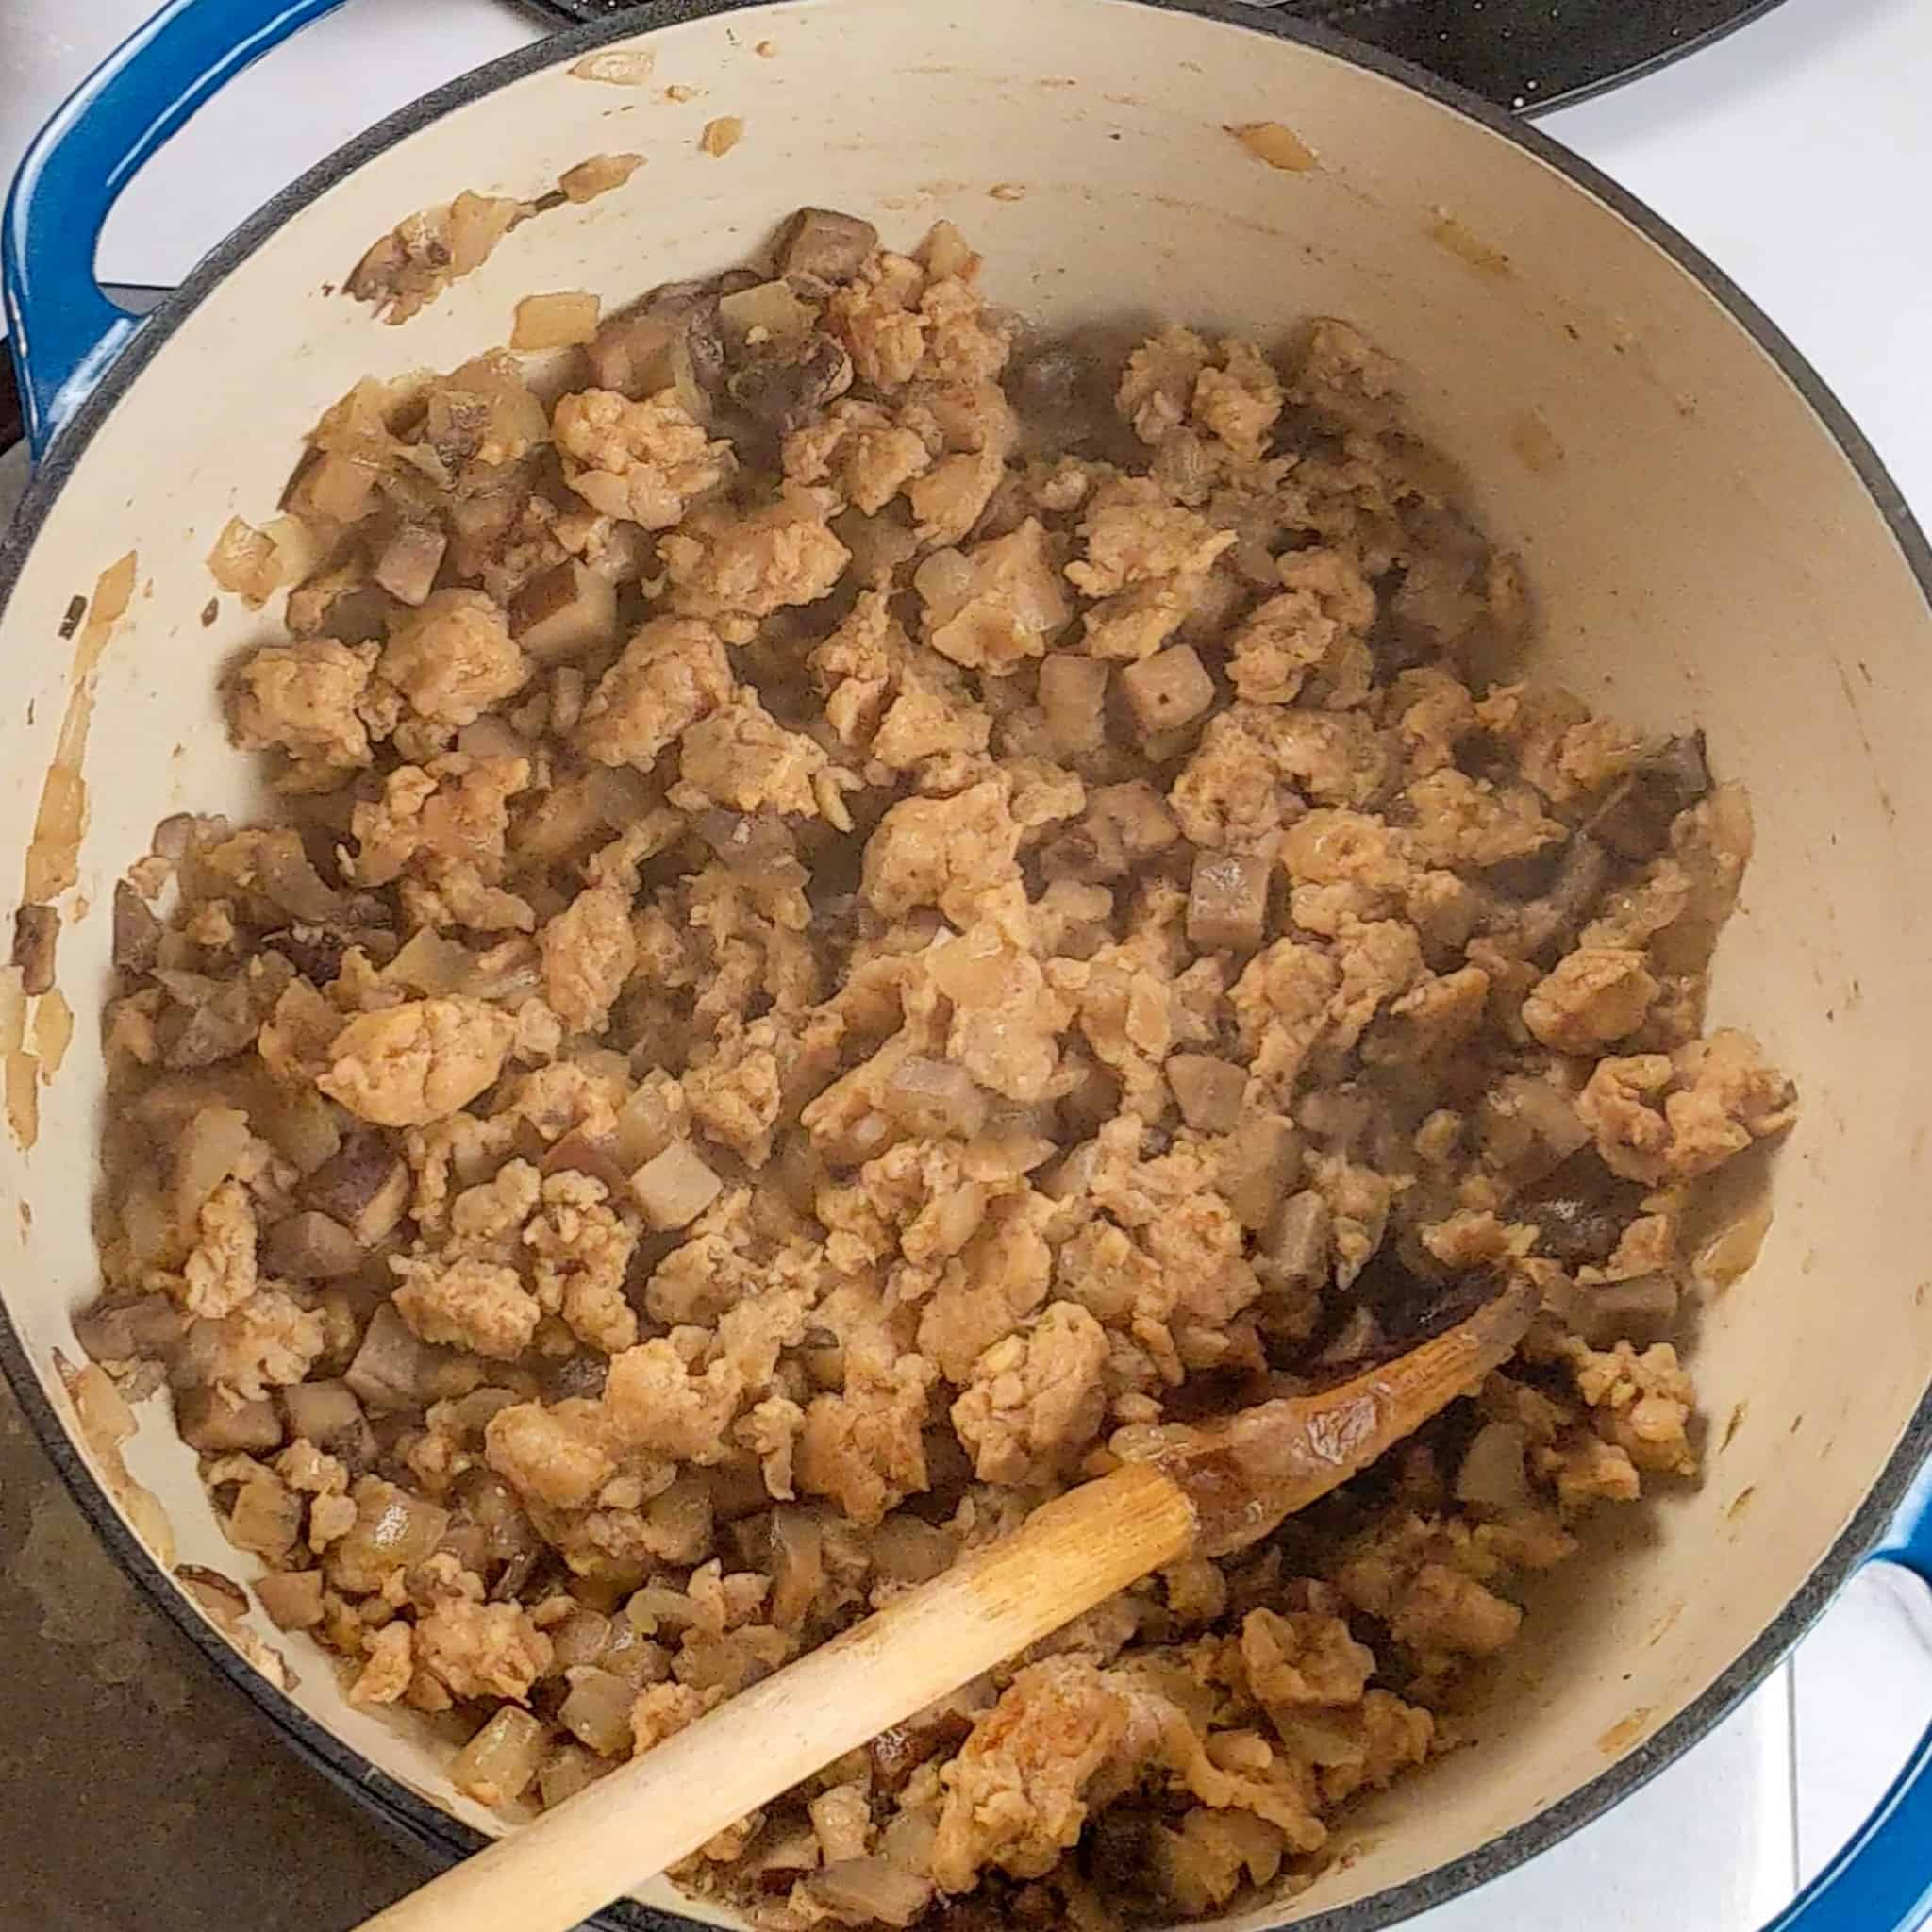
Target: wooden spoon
pixel 1216 1490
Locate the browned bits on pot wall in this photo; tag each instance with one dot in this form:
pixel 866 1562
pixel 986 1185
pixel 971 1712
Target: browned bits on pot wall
pixel 410 266
pixel 1279 147
pixel 36 934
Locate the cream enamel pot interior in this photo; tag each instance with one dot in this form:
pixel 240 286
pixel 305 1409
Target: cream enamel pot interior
pixel 1708 536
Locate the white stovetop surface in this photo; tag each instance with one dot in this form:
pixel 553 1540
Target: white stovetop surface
pixel 1798 154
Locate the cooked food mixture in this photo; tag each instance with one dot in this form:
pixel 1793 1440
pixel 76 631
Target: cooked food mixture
pixel 870 913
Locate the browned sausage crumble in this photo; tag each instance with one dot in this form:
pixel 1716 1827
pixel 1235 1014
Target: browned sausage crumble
pixel 869 912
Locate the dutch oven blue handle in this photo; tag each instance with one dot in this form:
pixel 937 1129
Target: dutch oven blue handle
pixel 63 331
pixel 1882 1880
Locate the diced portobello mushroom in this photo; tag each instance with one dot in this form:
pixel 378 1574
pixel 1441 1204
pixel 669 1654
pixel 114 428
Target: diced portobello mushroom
pixel 564 611
pixel 577 1152
pixel 1262 1165
pixel 454 422
pixel 1642 1309
pixel 934 1097
pixel 759 843
pixel 1583 874
pixel 674 1187
pixel 210 1022
pixel 137 931
pixel 1580 1210
pixel 1084 854
pixel 406 564
pixel 293 1598
pixel 1529 1126
pixel 312 1246
pixel 1207 1091
pixel 1073 699
pixel 394 1369
pixel 1122 827
pixel 151 1326
pixel 210 1422
pixel 510 1539
pixel 821 249
pixel 672 339
pixel 784 382
pixel 1167 691
pixel 1635 820
pixel 1227 901
pixel 316 952
pixel 365 1188
pixel 328 1415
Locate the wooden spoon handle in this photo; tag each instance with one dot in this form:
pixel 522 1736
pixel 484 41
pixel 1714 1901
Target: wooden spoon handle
pixel 1069 1556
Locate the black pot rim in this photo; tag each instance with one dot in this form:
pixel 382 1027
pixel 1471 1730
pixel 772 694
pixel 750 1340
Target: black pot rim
pixel 413 1819
pixel 1605 80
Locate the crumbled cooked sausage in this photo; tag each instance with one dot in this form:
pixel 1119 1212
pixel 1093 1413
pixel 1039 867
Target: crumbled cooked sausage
pixel 1594 995
pixel 220 1274
pixel 1013 1794
pixel 672 673
pixel 996 604
pixel 454 657
pixel 407 1065
pixel 644 460
pixel 1663 1115
pixel 741 758
pixel 473 1304
pixel 589 951
pixel 482 1650
pixel 306 701
pixel 1036 1399
pixel 1140 541
pixel 738 569
pixel 550 1456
